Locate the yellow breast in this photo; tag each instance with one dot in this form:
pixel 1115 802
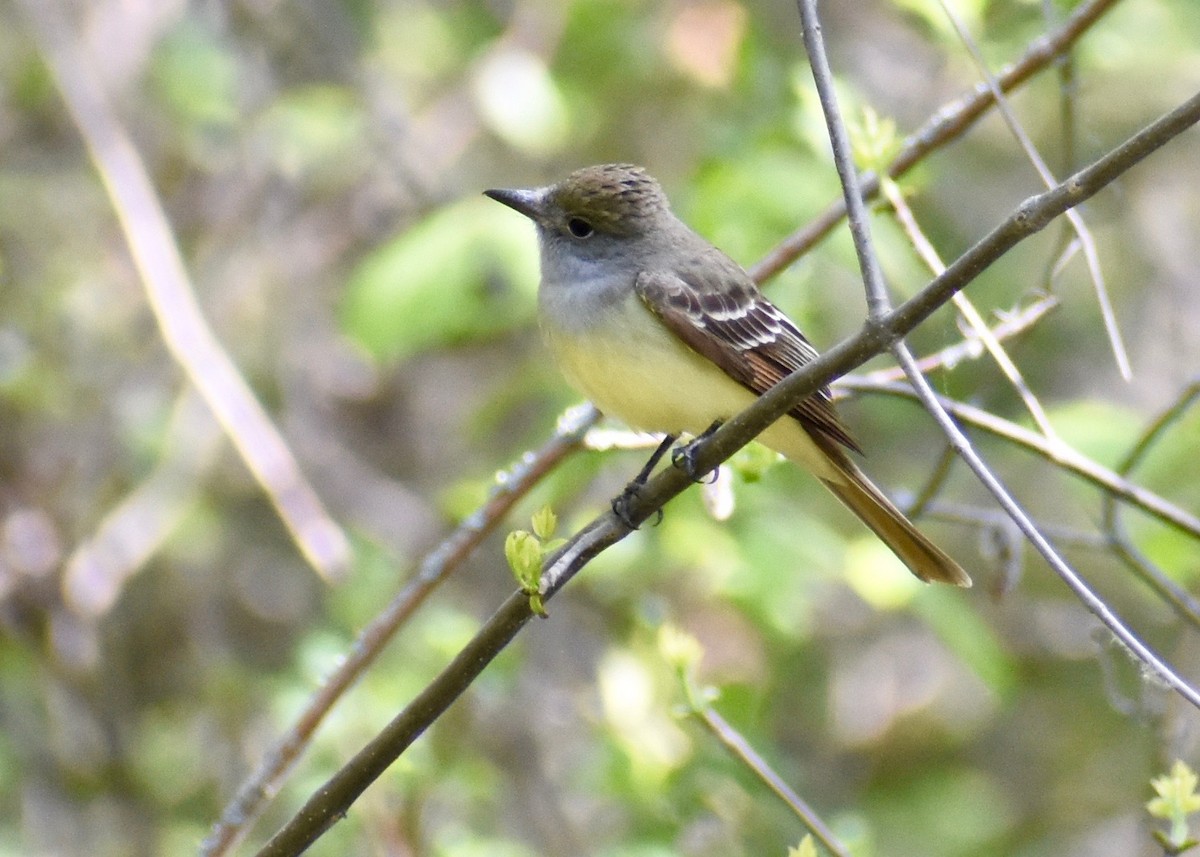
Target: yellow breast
pixel 633 368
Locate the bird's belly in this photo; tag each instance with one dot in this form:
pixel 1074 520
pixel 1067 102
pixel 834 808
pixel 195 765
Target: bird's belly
pixel 651 385
pixel 653 382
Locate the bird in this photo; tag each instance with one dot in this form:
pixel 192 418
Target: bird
pixel 662 330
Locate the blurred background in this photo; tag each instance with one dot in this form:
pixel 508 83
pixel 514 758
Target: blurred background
pixel 321 165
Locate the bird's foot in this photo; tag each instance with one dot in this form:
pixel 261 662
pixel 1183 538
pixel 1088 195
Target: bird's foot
pixel 684 456
pixel 622 505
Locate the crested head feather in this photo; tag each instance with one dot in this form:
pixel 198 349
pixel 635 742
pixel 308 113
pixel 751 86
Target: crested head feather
pixel 614 198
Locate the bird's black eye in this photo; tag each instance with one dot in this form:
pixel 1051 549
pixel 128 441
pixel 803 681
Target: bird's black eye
pixel 580 228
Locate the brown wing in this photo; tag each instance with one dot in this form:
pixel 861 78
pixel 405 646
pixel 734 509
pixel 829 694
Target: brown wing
pixel 716 309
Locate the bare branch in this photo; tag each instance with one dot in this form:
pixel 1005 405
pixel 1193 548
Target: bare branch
pixel 1013 323
pixel 879 308
pixel 1175 595
pixel 1061 456
pixel 1084 235
pixel 949 123
pixel 439 564
pixel 962 303
pixel 741 749
pixel 333 800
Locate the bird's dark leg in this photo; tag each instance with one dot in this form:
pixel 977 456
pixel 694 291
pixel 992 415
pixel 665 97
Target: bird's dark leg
pixel 684 457
pixel 620 503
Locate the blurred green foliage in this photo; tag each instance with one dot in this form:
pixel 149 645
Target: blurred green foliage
pixel 322 165
pixel 448 279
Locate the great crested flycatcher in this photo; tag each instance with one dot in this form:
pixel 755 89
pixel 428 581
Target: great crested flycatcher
pixel 664 331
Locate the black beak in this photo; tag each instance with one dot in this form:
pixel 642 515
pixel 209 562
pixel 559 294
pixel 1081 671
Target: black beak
pixel 528 202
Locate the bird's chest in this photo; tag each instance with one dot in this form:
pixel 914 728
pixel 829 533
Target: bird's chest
pixel 630 366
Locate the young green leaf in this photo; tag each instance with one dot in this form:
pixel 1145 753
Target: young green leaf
pixel 544 523
pixel 1176 800
pixel 806 848
pixel 524 555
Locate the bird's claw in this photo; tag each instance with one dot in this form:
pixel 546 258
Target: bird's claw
pixel 684 457
pixel 622 502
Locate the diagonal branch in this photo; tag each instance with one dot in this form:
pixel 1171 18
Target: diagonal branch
pixel 1113 483
pixel 1035 213
pixel 1083 234
pixel 929 255
pixel 439 564
pixel 1177 596
pixel 332 800
pixel 941 128
pixel 947 124
pixel 879 311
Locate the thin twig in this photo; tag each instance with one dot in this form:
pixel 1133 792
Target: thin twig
pixel 173 300
pixel 334 799
pixel 1187 397
pixel 929 255
pixel 736 743
pixel 1063 457
pixel 947 124
pixel 1064 64
pixel 1084 235
pixel 682 652
pixel 978 518
pixel 1175 595
pixel 879 309
pixel 933 485
pixel 1012 323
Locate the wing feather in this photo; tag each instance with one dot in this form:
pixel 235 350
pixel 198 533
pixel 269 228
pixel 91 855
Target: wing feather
pixel 732 324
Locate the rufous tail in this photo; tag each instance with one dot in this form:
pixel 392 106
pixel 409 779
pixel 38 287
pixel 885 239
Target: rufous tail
pixel 923 558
